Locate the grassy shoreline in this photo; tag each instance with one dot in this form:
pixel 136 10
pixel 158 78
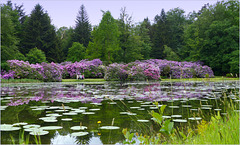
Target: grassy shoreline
pixel 217 78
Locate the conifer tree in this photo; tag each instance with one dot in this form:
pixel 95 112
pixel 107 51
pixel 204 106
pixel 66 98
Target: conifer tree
pixel 39 33
pixel 82 31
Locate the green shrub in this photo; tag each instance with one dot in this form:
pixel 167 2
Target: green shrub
pixel 36 56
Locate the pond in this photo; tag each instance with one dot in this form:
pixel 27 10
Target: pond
pixel 79 113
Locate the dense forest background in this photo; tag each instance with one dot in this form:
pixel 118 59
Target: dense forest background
pixel 210 36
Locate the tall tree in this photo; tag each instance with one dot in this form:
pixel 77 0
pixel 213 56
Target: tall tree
pixel 213 37
pixel 38 32
pixel 105 39
pixel 142 30
pixel 9 39
pixel 160 36
pixel 176 22
pixel 65 34
pixel 82 31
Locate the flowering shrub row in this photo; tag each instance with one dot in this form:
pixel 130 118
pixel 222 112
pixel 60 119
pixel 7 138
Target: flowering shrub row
pixel 91 69
pixel 152 69
pixel 53 72
pixel 139 70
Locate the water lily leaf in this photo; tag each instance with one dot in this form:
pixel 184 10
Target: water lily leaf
pixel 66 119
pixel 179 120
pixel 143 120
pixel 31 126
pixel 109 127
pixel 78 127
pixel 79 133
pixel 195 118
pixel 39 132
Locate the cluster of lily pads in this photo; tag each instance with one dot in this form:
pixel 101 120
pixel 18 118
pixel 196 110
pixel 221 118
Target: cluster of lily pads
pixel 150 69
pixel 139 99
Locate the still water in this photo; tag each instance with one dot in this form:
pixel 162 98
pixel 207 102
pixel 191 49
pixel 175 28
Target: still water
pixel 92 106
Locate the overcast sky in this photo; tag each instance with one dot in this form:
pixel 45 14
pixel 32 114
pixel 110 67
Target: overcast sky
pixel 63 12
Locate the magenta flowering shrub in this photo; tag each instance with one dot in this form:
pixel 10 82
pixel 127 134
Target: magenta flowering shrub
pixel 181 69
pixel 116 71
pixel 90 69
pixel 21 68
pixel 44 71
pixel 7 75
pixel 152 69
pixel 51 72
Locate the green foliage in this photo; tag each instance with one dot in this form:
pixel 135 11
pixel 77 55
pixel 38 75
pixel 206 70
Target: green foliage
pixel 128 136
pixel 213 37
pixel 160 35
pixel 170 54
pixel 82 31
pixel 64 34
pixel 76 52
pixel 105 39
pixel 9 39
pixel 38 32
pixel 36 56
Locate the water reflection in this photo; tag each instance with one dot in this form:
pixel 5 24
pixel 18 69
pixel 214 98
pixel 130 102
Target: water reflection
pixel 24 103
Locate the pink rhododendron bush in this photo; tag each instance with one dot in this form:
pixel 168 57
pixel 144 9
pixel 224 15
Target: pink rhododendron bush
pixel 150 69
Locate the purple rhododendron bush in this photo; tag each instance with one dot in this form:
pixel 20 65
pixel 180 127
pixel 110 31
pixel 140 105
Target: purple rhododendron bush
pixel 150 69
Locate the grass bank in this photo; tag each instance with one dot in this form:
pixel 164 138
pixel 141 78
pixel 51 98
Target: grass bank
pixel 85 80
pixel 21 81
pixel 216 79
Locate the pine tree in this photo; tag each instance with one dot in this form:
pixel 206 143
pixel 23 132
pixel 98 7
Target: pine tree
pixel 38 32
pixel 82 31
pixel 160 35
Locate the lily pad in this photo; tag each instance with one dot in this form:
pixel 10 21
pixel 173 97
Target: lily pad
pixel 39 132
pixel 79 111
pixel 141 109
pixel 123 112
pixel 179 120
pixel 187 106
pixel 166 117
pixel 95 109
pixel 79 133
pixel 194 118
pixel 173 107
pixel 83 107
pixel 206 108
pixel 20 123
pixel 8 127
pixel 50 120
pixel 50 108
pixel 135 107
pixel 70 113
pixel 176 116
pixel 31 126
pixel 142 120
pixel 153 107
pixel 88 113
pixel 129 113
pixel 36 109
pixel 47 118
pixel 109 127
pixel 54 115
pixel 78 127
pixel 60 110
pixel 66 119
